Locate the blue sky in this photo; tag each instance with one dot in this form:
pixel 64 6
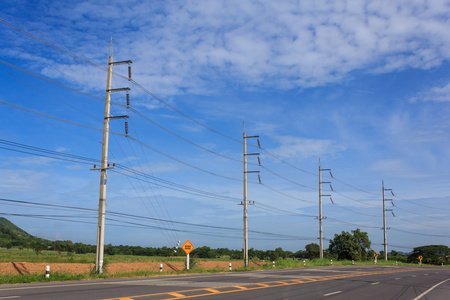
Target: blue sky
pixel 362 85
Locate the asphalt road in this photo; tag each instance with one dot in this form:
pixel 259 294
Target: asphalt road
pixel 349 282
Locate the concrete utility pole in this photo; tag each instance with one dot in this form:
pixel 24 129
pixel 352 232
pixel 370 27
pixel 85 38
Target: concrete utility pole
pixel 320 215
pixel 245 203
pixel 105 166
pixel 384 219
pixel 320 209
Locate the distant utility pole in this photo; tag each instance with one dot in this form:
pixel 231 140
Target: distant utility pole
pixel 105 166
pixel 245 202
pixel 320 208
pixel 384 217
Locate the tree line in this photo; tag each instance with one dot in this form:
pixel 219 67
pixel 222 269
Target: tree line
pixel 344 246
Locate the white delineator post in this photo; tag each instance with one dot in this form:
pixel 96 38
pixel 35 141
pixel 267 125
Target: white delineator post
pixel 47 271
pixel 187 262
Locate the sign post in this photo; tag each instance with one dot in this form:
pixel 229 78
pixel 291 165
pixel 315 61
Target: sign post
pixel 187 247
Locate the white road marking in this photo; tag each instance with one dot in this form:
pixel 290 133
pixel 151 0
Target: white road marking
pixel 334 293
pixel 9 297
pixel 52 286
pixel 430 289
pixel 397 278
pixel 374 283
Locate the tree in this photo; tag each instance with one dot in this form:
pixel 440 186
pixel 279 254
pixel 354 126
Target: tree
pixel 431 254
pixel 353 246
pixel 203 252
pixel 312 250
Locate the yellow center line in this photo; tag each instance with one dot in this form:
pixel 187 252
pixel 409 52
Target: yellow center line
pixel 240 287
pixel 263 285
pixel 178 295
pixel 252 286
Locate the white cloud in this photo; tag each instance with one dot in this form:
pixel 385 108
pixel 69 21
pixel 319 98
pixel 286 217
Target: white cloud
pixel 301 148
pixel 397 168
pixel 437 93
pixel 179 48
pixel 21 180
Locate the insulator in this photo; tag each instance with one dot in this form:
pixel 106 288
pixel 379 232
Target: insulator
pixel 129 72
pixel 108 165
pixel 114 164
pixel 126 127
pixel 259 161
pixel 259 178
pixel 95 166
pixel 128 100
pixel 259 145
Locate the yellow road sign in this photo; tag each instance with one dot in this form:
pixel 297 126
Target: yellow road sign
pixel 187 247
pixel 420 257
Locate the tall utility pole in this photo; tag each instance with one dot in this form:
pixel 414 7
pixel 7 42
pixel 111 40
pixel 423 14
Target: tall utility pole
pixel 384 218
pixel 245 203
pixel 320 209
pixel 105 166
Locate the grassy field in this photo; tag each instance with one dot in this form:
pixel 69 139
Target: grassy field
pixel 26 255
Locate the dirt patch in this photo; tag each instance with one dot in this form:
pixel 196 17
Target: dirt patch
pixel 18 268
pixel 33 268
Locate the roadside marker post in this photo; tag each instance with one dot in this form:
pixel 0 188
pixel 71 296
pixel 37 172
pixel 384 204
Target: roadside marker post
pixel 229 266
pixel 47 271
pixel 160 267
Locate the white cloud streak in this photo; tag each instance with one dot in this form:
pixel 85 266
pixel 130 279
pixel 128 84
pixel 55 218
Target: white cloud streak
pixel 180 47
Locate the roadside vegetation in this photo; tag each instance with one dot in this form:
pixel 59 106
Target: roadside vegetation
pixel 346 248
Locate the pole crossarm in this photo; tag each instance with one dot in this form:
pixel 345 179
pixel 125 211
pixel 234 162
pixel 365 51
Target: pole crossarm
pixel 124 62
pixel 119 117
pixel 119 90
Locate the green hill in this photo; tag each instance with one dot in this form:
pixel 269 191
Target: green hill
pixel 5 223
pixel 13 236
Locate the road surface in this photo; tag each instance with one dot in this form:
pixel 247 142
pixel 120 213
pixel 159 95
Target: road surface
pixel 348 282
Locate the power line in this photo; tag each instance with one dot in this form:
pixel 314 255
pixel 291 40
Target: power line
pixel 86 160
pixel 142 218
pixel 84 60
